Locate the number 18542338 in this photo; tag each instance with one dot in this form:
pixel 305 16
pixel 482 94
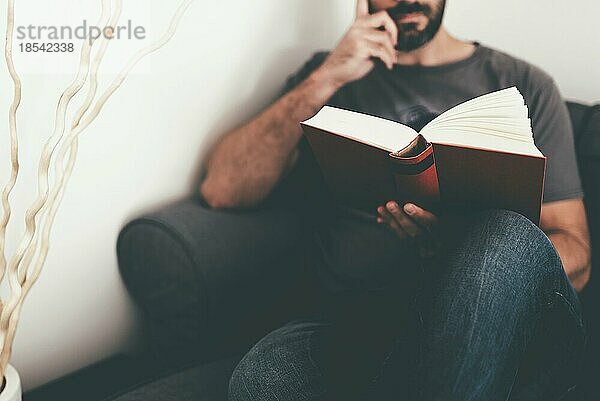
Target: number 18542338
pixel 46 47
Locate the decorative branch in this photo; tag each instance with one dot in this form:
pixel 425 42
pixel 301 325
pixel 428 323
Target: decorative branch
pixel 32 212
pixel 14 141
pixel 47 203
pixel 93 86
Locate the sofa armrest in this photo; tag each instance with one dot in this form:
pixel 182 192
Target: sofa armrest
pixel 211 282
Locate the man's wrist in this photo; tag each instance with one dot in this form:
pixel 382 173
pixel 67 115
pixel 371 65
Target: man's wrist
pixel 323 78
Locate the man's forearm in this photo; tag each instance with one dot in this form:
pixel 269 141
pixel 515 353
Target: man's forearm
pixel 575 255
pixel 246 165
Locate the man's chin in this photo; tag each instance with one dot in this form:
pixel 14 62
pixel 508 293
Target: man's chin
pixel 408 43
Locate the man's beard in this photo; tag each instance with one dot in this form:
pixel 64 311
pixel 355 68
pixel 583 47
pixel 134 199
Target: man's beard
pixel 409 38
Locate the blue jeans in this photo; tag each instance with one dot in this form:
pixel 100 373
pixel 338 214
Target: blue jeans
pixel 493 318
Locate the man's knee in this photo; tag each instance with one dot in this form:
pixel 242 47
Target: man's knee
pixel 238 388
pixel 254 376
pixel 508 249
pixel 279 367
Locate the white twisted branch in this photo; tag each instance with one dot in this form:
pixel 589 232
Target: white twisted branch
pixel 14 142
pixel 20 281
pixel 91 94
pixel 32 212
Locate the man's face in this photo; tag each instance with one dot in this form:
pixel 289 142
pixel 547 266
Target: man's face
pixel 418 21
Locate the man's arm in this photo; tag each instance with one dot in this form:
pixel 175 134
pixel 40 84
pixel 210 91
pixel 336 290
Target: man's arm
pixel 247 164
pixel 565 223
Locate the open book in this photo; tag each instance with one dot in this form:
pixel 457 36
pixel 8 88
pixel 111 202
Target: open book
pixel 479 154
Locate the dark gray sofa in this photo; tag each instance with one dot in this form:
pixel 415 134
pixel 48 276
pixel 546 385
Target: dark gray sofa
pixel 207 293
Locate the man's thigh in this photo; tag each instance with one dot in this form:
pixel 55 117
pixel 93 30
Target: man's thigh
pixel 327 358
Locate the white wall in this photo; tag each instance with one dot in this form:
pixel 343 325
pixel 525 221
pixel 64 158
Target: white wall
pixel 562 37
pixel 227 61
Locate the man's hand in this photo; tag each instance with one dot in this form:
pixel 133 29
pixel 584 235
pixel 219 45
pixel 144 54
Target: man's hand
pixel 412 222
pixel 353 57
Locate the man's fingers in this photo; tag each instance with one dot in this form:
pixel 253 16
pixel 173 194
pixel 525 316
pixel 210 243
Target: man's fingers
pixel 387 218
pixel 383 19
pixel 411 221
pixel 362 8
pixel 384 216
pixel 411 228
pixel 382 39
pixel 379 51
pixel 423 217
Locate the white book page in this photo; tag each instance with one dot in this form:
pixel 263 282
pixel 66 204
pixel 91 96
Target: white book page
pixel 501 110
pixel 379 132
pixel 518 132
pixel 475 139
pixel 497 98
pixel 496 121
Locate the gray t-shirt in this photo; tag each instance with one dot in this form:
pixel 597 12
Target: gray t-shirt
pixel 360 254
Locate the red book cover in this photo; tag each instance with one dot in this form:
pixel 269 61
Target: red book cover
pixel 357 175
pixel 480 178
pixel 433 175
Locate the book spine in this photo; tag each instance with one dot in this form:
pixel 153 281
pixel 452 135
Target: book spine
pixel 416 179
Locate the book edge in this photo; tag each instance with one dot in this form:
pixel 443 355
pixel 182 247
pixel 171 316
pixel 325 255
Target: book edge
pixel 347 137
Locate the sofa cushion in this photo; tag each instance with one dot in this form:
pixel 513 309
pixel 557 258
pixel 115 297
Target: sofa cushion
pixel 206 382
pixel 588 150
pixel 586 125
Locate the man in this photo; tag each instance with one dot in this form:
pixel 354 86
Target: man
pixel 487 313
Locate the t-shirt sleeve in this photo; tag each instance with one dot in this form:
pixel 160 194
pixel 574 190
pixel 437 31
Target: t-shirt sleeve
pixel 553 135
pixel 300 75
